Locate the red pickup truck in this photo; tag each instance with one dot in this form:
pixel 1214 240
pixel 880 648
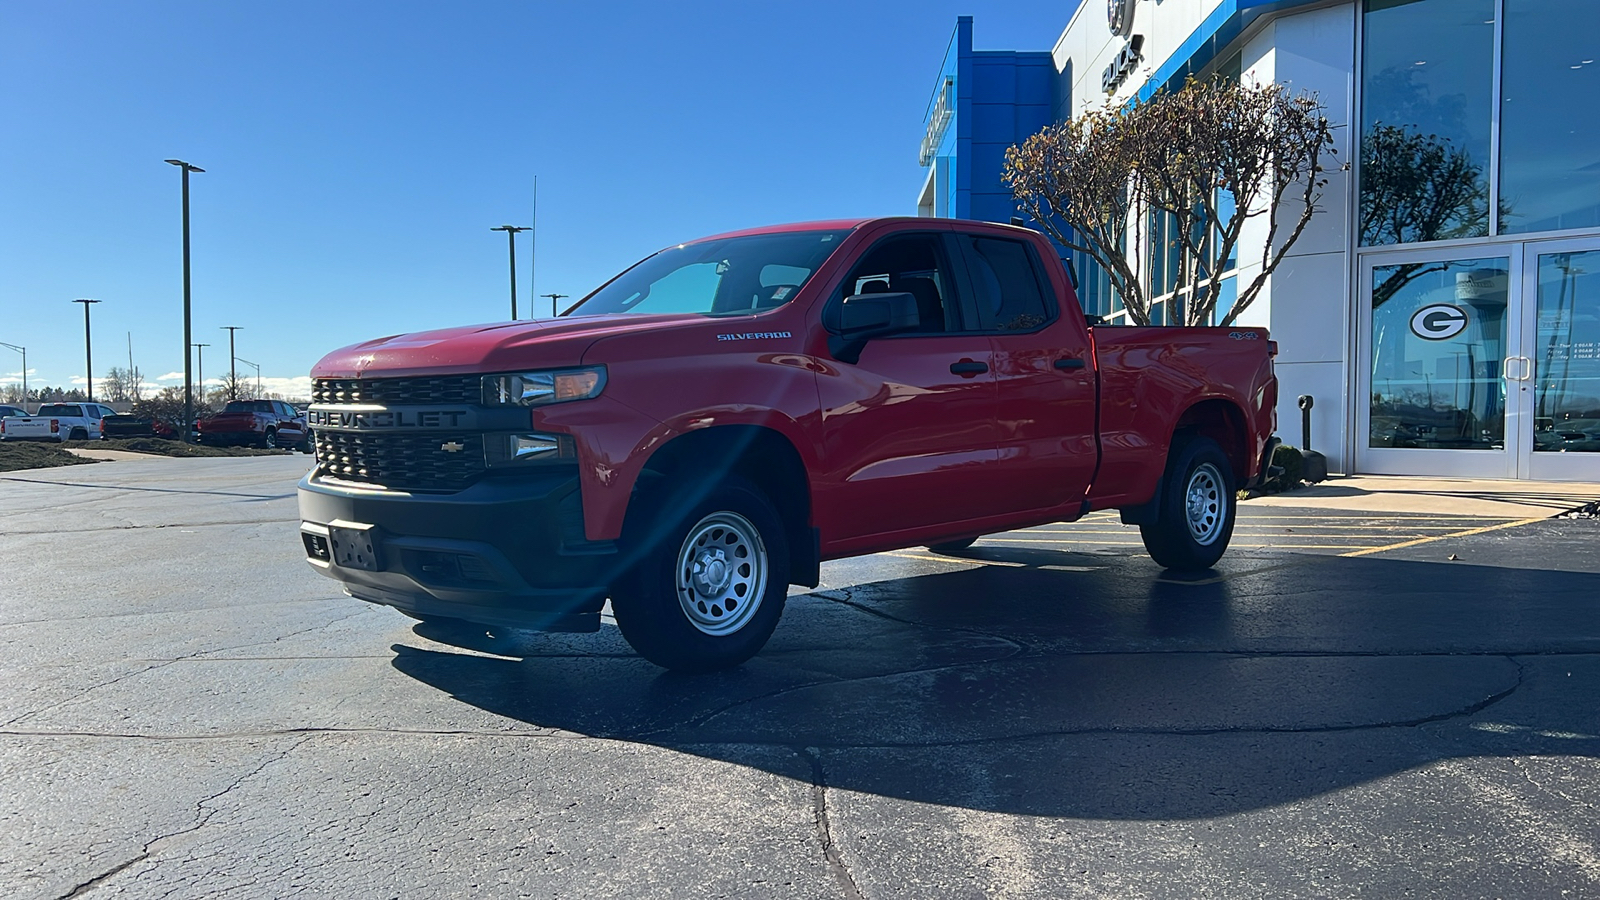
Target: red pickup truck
pixel 712 424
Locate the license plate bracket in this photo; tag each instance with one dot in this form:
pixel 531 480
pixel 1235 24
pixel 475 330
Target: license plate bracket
pixel 355 545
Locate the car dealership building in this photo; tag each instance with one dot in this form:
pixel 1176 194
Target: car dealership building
pixel 1443 308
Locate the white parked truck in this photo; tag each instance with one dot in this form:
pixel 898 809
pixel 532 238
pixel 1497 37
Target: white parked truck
pixel 57 422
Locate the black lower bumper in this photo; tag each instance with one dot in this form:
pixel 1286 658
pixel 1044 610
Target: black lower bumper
pixel 507 552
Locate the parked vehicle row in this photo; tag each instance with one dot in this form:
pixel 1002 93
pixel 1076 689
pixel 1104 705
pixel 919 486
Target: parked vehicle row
pixel 260 423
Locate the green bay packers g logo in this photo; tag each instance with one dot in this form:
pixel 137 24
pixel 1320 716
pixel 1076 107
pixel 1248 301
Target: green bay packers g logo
pixel 1438 322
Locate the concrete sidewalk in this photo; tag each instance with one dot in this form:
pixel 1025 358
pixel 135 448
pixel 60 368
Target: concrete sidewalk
pixel 1447 496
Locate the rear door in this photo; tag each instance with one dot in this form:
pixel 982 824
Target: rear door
pixel 1044 373
pixel 909 428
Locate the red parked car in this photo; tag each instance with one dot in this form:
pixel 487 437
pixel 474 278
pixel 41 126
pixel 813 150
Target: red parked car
pixel 711 425
pixel 257 423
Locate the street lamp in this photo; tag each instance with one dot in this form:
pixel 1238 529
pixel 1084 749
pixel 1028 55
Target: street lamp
pixel 553 299
pixel 511 233
pixel 201 349
pixel 188 396
pixel 233 372
pixel 88 355
pixel 24 352
pixel 258 374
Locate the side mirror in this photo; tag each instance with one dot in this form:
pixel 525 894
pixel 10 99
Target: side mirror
pixel 863 317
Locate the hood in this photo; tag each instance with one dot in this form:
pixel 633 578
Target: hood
pixel 497 347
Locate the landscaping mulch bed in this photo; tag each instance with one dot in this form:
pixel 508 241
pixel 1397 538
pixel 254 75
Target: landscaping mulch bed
pixel 164 447
pixel 17 455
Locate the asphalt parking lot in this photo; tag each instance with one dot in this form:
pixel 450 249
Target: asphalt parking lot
pixel 1354 704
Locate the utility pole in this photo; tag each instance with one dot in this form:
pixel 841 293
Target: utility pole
pixel 88 352
pixel 24 352
pixel 201 350
pixel 258 375
pixel 233 371
pixel 553 299
pixel 533 246
pixel 511 232
pixel 188 390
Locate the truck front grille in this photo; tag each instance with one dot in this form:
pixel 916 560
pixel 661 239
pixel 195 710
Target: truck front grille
pixel 413 462
pixel 467 389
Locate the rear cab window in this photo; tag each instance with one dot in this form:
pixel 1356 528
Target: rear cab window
pixel 1008 286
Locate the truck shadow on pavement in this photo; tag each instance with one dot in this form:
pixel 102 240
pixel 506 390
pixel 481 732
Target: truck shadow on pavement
pixel 1105 691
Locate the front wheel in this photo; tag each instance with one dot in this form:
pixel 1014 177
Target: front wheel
pixel 1195 512
pixel 708 581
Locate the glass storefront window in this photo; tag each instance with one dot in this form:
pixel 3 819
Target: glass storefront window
pixel 1438 348
pixel 1549 134
pixel 1427 109
pixel 1566 416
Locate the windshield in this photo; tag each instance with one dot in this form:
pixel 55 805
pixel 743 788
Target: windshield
pixel 61 409
pixel 242 406
pixel 728 277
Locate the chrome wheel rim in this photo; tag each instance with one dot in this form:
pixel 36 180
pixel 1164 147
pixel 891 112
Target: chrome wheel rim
pixel 1205 504
pixel 722 573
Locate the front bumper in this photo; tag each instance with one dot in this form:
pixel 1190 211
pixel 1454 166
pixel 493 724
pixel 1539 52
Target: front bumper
pixel 504 551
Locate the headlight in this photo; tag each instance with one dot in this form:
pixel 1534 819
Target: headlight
pixel 542 388
pixel 522 449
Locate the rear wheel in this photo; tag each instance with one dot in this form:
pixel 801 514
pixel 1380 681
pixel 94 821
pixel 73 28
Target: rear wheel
pixel 270 439
pixel 1195 512
pixel 78 434
pixel 708 581
pixel 953 546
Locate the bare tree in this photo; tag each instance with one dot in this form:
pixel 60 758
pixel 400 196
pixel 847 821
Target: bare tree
pixel 1183 154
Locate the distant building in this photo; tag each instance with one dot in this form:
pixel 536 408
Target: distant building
pixel 1440 333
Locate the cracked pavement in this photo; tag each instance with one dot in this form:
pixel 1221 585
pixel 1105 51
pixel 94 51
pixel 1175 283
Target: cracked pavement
pixel 192 712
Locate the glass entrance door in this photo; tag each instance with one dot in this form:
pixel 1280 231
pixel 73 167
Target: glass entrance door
pixel 1482 363
pixel 1557 380
pixel 1437 334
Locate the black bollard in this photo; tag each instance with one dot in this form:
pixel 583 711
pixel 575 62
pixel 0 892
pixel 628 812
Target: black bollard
pixel 1315 465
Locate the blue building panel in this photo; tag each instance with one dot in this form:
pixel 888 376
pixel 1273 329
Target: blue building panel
pixel 1000 98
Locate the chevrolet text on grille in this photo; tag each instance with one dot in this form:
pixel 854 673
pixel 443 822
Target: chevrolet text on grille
pixel 375 419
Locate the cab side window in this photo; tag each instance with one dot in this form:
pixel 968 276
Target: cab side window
pixel 914 264
pixel 1006 283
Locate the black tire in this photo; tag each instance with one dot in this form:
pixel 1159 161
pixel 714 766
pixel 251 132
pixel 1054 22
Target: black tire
pixel 654 612
pixel 953 546
pixel 1178 539
pixel 270 439
pixel 78 434
pixel 309 445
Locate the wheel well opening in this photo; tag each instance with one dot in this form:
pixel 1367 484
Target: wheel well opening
pixel 1224 423
pixel 761 456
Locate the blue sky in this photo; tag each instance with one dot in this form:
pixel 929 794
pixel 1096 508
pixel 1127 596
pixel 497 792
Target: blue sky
pixel 358 153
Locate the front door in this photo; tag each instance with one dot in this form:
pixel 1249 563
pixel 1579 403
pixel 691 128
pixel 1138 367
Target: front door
pixel 1557 380
pixel 1482 363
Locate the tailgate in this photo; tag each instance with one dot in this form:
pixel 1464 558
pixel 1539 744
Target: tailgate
pixel 31 426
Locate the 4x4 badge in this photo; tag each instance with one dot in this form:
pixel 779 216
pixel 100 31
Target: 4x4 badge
pixel 452 446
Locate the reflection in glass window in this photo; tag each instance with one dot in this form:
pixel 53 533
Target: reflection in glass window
pixel 1438 346
pixel 1427 85
pixel 1549 134
pixel 1567 354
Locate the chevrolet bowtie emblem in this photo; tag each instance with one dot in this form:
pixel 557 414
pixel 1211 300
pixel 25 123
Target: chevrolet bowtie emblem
pixel 452 446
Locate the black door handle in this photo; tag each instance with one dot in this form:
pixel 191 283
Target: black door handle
pixel 968 368
pixel 1069 363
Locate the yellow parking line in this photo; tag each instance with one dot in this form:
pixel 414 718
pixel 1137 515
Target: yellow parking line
pixel 1439 537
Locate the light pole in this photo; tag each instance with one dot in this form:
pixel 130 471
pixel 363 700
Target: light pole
pixel 258 374
pixel 201 350
pixel 88 354
pixel 24 352
pixel 233 371
pixel 553 299
pixel 188 390
pixel 511 233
